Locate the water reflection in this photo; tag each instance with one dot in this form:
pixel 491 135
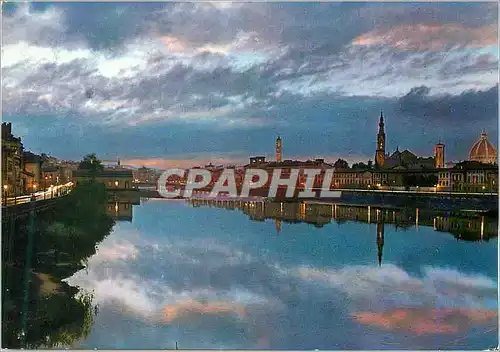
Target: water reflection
pixel 380 241
pixel 206 278
pixel 39 251
pixel 120 205
pixel 464 227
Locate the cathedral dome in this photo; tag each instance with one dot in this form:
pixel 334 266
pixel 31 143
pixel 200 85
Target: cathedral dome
pixel 483 151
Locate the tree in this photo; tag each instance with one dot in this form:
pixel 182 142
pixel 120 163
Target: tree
pixel 370 164
pixel 341 164
pixel 92 164
pixel 359 166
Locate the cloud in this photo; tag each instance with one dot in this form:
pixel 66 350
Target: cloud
pixel 478 105
pixel 112 275
pixel 426 321
pixel 177 280
pixel 154 301
pixel 25 25
pixel 166 163
pixel 442 288
pixel 433 37
pixel 229 77
pixel 119 250
pixel 172 312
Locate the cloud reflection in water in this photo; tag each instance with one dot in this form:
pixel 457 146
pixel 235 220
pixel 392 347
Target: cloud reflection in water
pixel 180 287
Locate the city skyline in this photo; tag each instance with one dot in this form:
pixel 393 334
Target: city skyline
pixel 223 85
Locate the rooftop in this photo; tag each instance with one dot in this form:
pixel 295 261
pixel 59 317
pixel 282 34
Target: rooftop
pixel 116 173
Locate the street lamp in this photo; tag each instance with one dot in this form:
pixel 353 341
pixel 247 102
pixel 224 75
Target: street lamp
pixel 116 183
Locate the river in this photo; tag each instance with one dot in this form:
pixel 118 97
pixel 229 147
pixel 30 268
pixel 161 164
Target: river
pixel 284 277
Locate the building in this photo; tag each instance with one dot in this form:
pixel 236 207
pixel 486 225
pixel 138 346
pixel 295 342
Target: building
pixel 380 151
pixel 50 175
pixel 473 176
pixel 257 160
pixel 66 170
pixel 287 166
pixel 483 151
pixel 48 160
pixel 405 159
pixel 145 175
pixel 13 175
pixel 444 179
pixel 352 178
pixel 113 179
pixel 439 155
pixel 279 149
pixel 33 170
pixel 408 160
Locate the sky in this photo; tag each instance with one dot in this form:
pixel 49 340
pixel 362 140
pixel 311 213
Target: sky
pixel 182 84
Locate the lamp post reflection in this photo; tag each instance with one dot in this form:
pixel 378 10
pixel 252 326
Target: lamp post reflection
pixel 5 188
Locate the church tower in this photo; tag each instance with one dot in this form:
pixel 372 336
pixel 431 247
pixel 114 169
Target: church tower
pixel 380 152
pixel 279 154
pixel 439 155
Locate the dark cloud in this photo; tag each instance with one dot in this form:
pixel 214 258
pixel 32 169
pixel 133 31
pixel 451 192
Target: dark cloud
pixel 325 125
pixel 476 105
pixel 386 15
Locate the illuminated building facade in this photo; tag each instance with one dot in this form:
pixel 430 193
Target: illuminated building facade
pixel 13 176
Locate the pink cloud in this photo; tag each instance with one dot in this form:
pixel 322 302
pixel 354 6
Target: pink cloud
pixel 422 321
pixel 174 311
pixel 165 163
pixel 174 44
pixel 430 36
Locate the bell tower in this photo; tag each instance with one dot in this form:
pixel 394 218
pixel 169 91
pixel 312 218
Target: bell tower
pixel 380 151
pixel 439 155
pixel 279 150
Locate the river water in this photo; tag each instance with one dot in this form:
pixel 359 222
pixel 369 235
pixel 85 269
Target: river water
pixel 291 278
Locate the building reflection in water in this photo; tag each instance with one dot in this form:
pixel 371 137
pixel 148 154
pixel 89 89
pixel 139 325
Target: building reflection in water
pixel 380 236
pixel 120 211
pixel 120 206
pixel 469 228
pixel 278 225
